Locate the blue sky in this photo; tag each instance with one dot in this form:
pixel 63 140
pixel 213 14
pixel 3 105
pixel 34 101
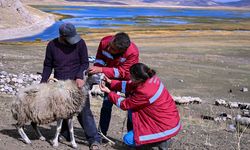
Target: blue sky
pixel 224 1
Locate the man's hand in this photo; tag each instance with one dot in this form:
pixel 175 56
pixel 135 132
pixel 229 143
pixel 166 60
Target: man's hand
pixel 95 69
pixel 79 83
pixel 104 88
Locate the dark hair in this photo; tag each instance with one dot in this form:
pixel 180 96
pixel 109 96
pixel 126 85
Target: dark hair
pixel 121 41
pixel 141 72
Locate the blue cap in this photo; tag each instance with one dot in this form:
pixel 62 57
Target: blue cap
pixel 68 31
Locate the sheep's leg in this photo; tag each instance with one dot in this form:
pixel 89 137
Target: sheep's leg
pixel 58 130
pixel 41 137
pixel 71 133
pixel 23 135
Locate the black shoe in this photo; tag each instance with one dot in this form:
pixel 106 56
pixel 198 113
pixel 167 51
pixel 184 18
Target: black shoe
pixel 104 141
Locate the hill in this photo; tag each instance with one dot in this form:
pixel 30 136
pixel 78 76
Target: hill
pixel 24 20
pixel 198 3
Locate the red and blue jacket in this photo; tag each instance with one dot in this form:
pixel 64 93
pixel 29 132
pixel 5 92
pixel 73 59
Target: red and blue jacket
pixel 116 67
pixel 154 114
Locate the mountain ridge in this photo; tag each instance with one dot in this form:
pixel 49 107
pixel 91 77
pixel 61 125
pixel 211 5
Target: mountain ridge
pixel 241 3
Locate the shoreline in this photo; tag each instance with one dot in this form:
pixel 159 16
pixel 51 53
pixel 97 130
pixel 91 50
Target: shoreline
pixel 47 19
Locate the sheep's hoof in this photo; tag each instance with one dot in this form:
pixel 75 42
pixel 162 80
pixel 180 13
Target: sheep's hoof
pixel 74 145
pixel 42 138
pixel 27 141
pixel 55 144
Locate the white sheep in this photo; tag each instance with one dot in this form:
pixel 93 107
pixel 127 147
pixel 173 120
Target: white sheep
pixel 48 102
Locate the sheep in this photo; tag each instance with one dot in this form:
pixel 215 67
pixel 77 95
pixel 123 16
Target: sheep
pixel 47 102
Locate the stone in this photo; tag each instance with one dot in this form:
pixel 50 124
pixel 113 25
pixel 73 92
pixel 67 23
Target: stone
pixel 4 73
pixel 244 89
pixel 231 128
pixel 19 81
pixel 220 102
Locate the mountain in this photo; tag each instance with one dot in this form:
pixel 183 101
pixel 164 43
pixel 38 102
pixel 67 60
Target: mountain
pixel 240 3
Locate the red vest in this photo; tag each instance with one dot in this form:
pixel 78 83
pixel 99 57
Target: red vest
pixel 154 114
pixel 116 67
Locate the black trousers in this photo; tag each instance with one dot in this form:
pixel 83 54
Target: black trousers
pixel 105 116
pixel 86 120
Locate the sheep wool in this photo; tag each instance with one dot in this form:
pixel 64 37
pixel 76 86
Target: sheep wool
pixel 47 102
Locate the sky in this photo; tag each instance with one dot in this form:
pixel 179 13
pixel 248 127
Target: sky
pixel 224 1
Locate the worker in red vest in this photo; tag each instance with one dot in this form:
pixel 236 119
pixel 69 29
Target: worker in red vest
pixel 154 115
pixel 115 55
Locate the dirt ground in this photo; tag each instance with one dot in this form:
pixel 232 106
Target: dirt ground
pixel 210 64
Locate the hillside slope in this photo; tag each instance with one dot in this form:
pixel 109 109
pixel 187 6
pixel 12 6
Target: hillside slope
pixel 17 19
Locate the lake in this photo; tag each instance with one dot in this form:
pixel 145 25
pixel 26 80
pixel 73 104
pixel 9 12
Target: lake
pixel 115 17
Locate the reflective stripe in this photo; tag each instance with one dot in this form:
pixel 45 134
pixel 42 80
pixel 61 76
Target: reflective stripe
pixel 124 83
pixel 117 74
pixel 161 134
pixel 155 80
pixel 122 59
pixel 99 61
pixel 118 104
pixel 157 94
pixel 107 54
pixel 150 81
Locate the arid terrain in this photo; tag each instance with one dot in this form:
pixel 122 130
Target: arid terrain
pixel 209 60
pixel 207 64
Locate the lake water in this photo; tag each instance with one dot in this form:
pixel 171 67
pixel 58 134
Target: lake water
pixel 115 17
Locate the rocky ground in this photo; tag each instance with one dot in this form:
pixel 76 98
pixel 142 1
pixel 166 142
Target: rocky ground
pixel 207 64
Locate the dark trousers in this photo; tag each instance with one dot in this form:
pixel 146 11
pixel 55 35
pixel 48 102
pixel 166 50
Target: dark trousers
pixel 105 116
pixel 86 120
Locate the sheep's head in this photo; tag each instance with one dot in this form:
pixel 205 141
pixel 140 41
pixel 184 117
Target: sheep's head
pixel 92 79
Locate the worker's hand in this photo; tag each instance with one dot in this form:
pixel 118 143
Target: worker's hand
pixel 104 88
pixel 106 79
pixel 95 69
pixel 79 83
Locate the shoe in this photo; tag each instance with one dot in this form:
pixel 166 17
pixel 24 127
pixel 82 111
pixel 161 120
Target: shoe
pixel 104 141
pixel 95 146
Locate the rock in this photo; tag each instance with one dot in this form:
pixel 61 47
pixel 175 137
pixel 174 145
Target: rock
pixel 245 113
pixel 231 128
pixel 1 80
pixel 181 81
pixel 19 80
pixel 4 73
pixel 233 105
pixel 187 100
pixel 91 59
pixel 242 120
pixel 10 83
pixel 14 79
pixel 8 80
pixel 244 89
pixel 220 102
